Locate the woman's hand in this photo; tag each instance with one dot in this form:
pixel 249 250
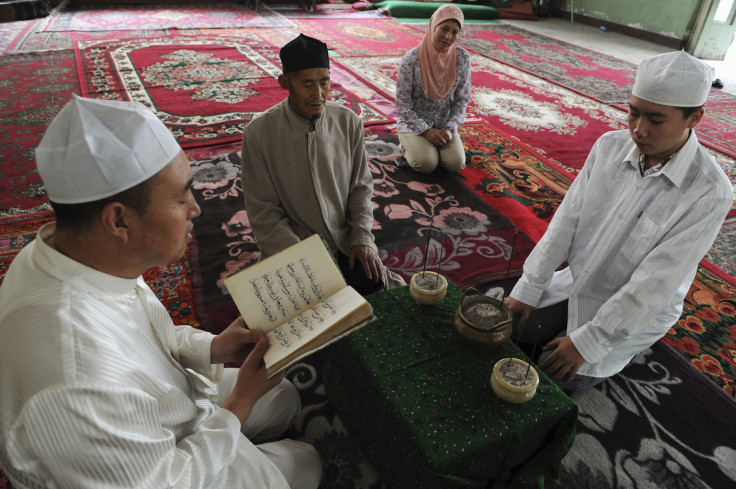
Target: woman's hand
pixel 437 137
pixel 447 134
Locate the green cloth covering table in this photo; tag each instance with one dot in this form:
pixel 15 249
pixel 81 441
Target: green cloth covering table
pixel 418 400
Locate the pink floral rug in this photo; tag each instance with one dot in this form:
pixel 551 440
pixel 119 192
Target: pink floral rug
pixel 146 17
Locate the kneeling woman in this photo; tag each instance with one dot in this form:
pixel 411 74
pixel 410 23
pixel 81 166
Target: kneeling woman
pixel 432 93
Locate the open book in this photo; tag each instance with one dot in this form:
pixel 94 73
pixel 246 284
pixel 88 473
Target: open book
pixel 299 298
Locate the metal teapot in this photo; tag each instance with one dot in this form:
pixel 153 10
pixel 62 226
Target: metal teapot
pixel 483 320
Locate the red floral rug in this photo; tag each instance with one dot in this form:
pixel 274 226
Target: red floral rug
pixel 523 185
pixel 10 31
pixel 204 88
pixel 599 76
pixel 136 17
pixel 721 254
pixel 364 37
pixel 556 122
pixel 35 38
pixel 718 128
pixel 706 332
pixel 35 87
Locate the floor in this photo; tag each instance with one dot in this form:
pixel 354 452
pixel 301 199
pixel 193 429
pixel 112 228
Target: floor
pixel 619 45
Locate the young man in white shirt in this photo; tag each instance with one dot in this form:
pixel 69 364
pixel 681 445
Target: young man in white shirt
pixel 641 214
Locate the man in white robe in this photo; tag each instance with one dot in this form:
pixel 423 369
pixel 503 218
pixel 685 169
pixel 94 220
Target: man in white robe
pixel 641 214
pixel 98 387
pixel 305 171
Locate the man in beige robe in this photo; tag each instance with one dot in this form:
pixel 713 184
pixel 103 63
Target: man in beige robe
pixel 305 171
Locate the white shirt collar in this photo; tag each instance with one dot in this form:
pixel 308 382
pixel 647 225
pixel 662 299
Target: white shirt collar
pixel 676 169
pixel 74 273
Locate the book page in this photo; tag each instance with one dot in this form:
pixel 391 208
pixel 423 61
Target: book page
pixel 307 331
pixel 282 286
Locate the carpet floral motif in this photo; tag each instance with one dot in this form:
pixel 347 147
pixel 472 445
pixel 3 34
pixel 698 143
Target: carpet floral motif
pixel 633 432
pixel 10 31
pixel 718 128
pixel 520 183
pixel 721 253
pixel 132 17
pixel 593 74
pixel 706 332
pixel 604 78
pixel 188 69
pixel 435 217
pixel 16 233
pixel 414 217
pixel 521 111
pixel 35 87
pixel 364 37
pixel 204 88
pixel 173 286
pixel 35 37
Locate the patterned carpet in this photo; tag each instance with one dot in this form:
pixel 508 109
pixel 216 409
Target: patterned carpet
pixel 543 115
pixel 601 77
pixel 721 253
pixel 204 88
pixel 474 248
pixel 604 78
pixel 364 37
pixel 530 101
pixel 35 86
pixel 654 425
pixel 171 283
pixel 706 333
pixel 520 183
pixel 132 17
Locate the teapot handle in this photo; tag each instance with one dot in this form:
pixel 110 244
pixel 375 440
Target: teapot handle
pixel 469 291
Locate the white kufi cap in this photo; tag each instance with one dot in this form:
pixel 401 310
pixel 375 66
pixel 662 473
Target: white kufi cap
pixel 676 79
pixel 97 148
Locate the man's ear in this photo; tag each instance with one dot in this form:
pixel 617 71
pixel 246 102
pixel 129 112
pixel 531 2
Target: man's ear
pixel 116 220
pixel 283 81
pixel 695 118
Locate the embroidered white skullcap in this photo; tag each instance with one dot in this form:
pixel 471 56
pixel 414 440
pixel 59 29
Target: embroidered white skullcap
pixel 97 148
pixel 676 79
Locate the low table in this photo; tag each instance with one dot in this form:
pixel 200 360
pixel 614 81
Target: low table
pixel 417 398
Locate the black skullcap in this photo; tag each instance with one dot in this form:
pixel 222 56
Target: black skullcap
pixel 304 53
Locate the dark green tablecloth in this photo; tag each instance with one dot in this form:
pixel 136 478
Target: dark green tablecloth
pixel 418 400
